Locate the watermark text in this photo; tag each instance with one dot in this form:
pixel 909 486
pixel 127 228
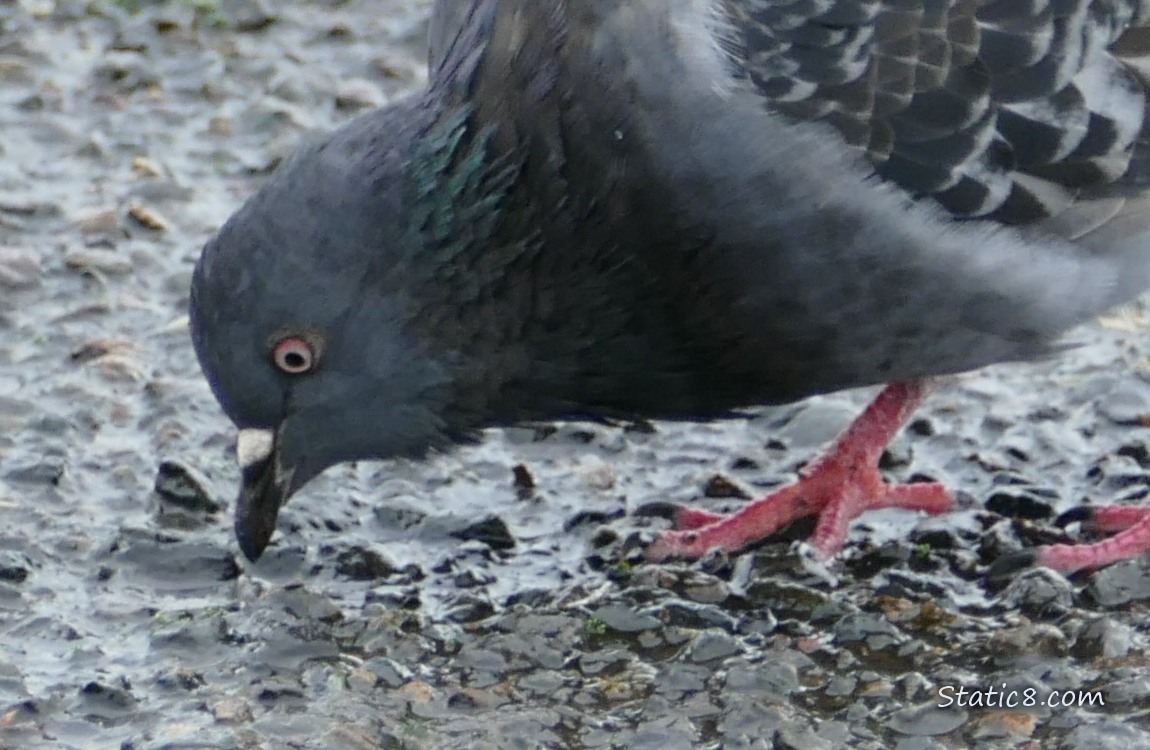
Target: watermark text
pixel 1003 697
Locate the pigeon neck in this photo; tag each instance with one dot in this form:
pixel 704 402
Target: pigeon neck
pixel 459 187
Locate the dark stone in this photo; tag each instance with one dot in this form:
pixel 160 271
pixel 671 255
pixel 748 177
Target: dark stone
pixel 182 486
pixel 362 564
pixel 491 531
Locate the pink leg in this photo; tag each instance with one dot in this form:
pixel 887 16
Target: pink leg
pixel 693 518
pixel 1107 518
pixel 1127 544
pixel 839 485
pixel 1133 539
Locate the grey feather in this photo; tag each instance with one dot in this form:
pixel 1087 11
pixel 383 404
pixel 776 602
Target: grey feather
pixel 966 99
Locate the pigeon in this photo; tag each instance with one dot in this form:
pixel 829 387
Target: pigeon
pixel 680 209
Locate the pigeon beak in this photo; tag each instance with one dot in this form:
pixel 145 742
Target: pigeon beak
pixel 266 485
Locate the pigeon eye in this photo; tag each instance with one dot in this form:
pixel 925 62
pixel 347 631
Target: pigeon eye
pixel 293 355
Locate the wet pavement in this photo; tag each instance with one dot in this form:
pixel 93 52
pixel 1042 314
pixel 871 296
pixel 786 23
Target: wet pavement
pixel 488 598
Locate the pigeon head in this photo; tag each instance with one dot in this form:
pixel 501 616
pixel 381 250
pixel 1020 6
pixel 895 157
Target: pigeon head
pixel 296 313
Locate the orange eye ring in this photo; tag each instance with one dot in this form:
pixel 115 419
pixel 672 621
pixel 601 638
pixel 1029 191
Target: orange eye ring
pixel 293 355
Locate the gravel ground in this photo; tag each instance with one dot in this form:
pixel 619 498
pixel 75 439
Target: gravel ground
pixel 487 598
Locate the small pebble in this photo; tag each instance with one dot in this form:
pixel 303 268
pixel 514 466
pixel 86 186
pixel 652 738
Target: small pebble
pixel 19 268
pixel 91 259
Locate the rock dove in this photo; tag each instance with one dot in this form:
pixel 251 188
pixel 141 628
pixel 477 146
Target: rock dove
pixel 674 209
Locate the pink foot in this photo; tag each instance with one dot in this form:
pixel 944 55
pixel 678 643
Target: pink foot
pixel 838 486
pixel 1132 539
